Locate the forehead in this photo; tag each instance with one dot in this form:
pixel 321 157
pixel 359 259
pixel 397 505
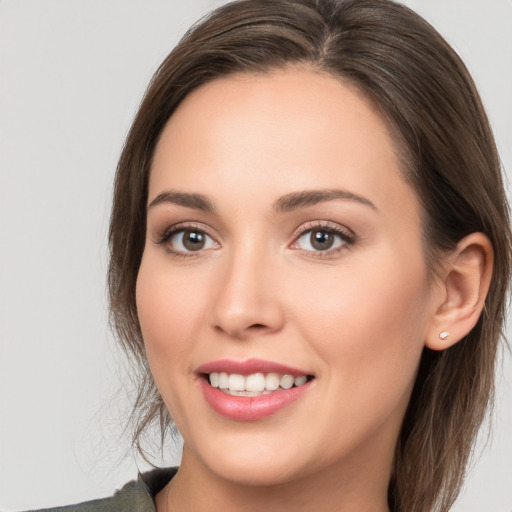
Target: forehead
pixel 289 128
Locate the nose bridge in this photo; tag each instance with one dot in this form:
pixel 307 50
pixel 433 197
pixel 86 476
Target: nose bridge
pixel 246 296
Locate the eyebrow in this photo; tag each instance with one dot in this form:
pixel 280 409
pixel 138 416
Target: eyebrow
pixel 305 198
pixel 196 201
pixel 287 203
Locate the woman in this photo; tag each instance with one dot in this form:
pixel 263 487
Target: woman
pixel 320 189
pixel 310 253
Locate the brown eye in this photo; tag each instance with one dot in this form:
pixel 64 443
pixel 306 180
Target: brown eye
pixel 193 240
pixel 321 240
pixel 190 240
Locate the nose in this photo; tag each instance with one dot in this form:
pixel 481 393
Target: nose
pixel 246 301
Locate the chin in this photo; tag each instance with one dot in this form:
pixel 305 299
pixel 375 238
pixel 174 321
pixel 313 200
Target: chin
pixel 257 473
pixel 252 460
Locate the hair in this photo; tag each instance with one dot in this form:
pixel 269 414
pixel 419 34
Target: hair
pixel 422 89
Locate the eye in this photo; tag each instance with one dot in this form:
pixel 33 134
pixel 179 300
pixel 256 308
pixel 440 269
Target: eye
pixel 187 240
pixel 316 240
pixel 183 241
pixel 323 239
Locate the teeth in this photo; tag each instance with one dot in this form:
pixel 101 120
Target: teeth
pixel 272 381
pixel 300 380
pixel 287 381
pixel 223 380
pixel 236 382
pixel 214 380
pixel 254 384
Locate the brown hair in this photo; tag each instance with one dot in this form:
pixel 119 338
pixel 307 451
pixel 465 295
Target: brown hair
pixel 424 91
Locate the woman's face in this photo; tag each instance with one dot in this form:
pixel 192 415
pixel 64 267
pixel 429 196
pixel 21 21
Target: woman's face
pixel 282 240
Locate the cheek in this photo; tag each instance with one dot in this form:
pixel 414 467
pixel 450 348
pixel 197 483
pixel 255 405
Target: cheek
pixel 166 307
pixel 369 328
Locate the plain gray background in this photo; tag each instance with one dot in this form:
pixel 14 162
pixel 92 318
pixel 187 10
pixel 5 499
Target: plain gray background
pixel 72 73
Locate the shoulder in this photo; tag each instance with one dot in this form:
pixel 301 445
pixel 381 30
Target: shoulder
pixel 136 496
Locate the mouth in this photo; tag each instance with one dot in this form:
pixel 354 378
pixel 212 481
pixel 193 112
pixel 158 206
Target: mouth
pixel 253 389
pixel 254 384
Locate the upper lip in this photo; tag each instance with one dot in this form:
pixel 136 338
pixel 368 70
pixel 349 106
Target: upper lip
pixel 249 367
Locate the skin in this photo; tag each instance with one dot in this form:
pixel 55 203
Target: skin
pixel 356 317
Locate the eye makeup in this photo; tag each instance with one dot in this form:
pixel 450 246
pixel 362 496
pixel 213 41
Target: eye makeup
pixel 319 239
pixel 186 239
pixel 326 239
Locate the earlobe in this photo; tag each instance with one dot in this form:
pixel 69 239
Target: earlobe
pixel 465 283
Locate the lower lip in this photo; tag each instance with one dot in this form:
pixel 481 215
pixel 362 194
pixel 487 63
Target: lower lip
pixel 245 408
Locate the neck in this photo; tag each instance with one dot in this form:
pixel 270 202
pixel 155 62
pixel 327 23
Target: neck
pixel 348 486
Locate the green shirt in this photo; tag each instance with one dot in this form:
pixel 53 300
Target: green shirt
pixel 136 496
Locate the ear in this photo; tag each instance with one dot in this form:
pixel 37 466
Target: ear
pixel 466 276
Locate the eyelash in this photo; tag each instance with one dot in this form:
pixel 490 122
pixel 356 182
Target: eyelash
pixel 347 237
pixel 164 237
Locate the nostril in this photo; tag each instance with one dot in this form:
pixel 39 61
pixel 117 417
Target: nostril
pixel 257 326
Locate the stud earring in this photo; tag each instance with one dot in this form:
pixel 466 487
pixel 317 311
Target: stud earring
pixel 443 335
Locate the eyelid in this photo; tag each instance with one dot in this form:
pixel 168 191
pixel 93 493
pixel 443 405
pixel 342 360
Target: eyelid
pixel 345 233
pixel 163 236
pixel 328 225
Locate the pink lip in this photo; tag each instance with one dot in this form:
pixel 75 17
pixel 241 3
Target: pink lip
pixel 244 408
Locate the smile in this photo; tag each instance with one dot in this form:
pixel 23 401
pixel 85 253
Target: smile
pixel 255 384
pixel 252 390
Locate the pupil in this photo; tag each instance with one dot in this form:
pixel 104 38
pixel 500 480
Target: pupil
pixel 320 240
pixel 193 240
